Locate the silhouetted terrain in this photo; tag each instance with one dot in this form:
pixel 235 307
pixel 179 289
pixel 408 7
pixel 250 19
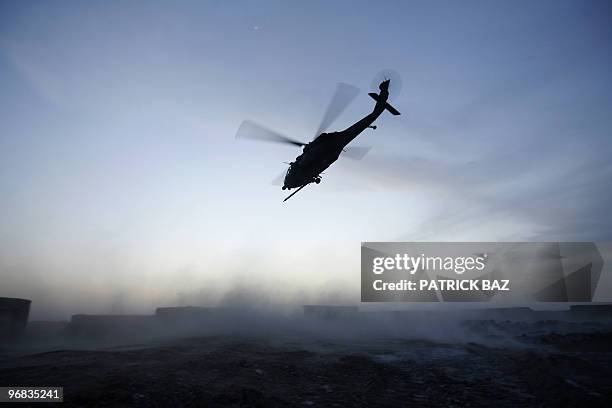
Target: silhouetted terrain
pixel 546 363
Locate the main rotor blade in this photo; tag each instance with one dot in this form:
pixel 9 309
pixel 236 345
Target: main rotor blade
pixel 252 130
pixel 356 152
pixel 343 96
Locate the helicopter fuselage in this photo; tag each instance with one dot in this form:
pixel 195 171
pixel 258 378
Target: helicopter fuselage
pixel 325 149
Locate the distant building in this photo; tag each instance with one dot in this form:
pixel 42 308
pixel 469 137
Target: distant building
pixel 209 317
pixel 13 317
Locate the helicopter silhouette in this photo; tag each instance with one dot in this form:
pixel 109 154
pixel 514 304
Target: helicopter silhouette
pixel 325 148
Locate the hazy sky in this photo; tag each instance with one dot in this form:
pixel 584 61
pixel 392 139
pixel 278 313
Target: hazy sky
pixel 123 187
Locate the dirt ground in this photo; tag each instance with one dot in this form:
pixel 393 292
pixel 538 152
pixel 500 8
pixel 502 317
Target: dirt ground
pixel 538 367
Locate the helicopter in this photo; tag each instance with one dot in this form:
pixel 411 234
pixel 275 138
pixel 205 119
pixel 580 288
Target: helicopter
pixel 325 148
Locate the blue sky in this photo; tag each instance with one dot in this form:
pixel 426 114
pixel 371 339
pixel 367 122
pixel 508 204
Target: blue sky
pixel 121 178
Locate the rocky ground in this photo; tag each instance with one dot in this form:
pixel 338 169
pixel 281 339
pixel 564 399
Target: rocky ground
pixel 515 364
